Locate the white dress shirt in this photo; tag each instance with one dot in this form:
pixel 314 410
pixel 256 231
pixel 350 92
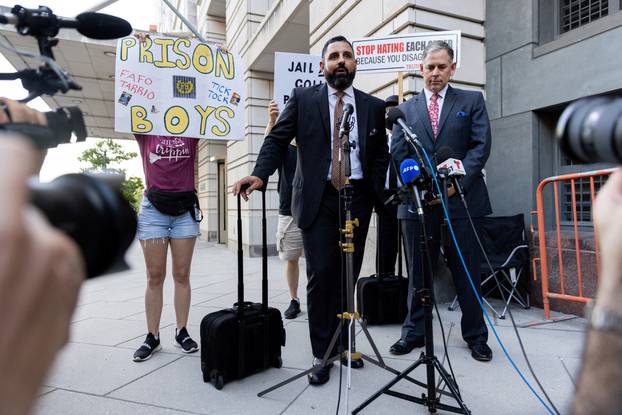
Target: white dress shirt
pixel 356 169
pixel 440 100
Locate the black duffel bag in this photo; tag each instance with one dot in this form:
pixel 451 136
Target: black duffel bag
pixel 175 203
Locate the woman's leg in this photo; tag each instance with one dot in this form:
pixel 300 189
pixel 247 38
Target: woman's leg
pixel 181 252
pixel 154 251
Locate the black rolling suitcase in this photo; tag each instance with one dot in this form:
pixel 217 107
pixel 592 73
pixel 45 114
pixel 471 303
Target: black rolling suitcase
pixel 382 299
pixel 247 338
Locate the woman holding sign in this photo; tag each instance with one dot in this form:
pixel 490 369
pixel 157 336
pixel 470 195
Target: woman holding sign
pixel 169 216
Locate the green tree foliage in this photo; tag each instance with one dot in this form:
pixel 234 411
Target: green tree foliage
pixel 105 154
pixel 104 157
pixel 133 189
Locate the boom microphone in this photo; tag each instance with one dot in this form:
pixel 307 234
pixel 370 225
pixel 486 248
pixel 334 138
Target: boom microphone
pixel 42 22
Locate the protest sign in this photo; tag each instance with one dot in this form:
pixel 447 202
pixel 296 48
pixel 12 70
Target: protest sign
pixel 401 52
pixel 178 87
pixel 292 70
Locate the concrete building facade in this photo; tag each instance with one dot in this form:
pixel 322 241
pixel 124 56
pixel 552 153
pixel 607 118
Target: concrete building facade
pixel 255 29
pixel 556 52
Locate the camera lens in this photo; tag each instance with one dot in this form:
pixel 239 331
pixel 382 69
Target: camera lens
pixel 590 130
pixel 94 213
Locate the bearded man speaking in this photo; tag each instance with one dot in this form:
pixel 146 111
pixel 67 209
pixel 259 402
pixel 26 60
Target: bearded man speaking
pixel 312 115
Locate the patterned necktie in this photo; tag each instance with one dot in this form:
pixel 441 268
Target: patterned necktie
pixel 337 178
pixel 433 112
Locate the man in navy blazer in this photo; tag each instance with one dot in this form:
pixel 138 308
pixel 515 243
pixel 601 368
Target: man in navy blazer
pixel 311 116
pixel 442 116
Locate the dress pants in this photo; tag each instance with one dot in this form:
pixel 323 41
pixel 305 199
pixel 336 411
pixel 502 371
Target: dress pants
pixel 472 323
pixel 326 293
pixel 387 229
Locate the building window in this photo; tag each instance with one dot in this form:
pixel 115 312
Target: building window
pixel 576 13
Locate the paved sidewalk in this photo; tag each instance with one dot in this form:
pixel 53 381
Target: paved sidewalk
pixel 95 373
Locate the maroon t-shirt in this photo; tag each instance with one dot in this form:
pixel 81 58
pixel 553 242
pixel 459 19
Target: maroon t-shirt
pixel 168 162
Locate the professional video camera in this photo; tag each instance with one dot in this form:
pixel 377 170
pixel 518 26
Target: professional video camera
pixel 91 210
pixel 590 130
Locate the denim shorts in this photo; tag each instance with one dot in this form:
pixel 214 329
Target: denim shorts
pixel 152 224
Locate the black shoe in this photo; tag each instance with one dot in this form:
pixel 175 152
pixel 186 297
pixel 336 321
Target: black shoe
pixel 293 310
pixel 149 347
pixel 356 363
pixel 321 375
pixel 403 347
pixel 184 342
pixel 481 352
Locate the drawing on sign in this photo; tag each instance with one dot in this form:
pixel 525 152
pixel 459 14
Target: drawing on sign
pixel 184 87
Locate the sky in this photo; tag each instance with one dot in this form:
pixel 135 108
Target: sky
pixel 64 158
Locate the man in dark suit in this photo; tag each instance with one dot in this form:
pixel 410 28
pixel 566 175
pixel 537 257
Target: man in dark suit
pixel 312 116
pixel 444 116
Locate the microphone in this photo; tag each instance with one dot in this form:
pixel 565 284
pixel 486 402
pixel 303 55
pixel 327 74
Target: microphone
pixel 348 110
pixel 409 171
pixel 42 22
pixel 395 115
pixel 454 167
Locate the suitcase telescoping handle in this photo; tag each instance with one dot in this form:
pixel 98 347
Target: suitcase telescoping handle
pixel 240 304
pixel 264 255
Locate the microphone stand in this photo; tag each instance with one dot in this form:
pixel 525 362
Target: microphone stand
pixel 350 316
pixel 432 399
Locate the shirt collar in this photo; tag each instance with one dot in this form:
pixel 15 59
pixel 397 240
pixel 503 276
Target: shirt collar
pixel 441 93
pixel 347 92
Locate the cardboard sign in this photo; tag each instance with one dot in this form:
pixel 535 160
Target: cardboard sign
pixel 178 87
pixel 401 52
pixel 292 70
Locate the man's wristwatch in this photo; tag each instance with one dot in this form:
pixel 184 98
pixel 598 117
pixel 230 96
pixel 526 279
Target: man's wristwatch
pixel 602 319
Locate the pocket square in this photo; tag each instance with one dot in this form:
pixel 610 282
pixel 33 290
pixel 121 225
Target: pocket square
pixel 372 132
pixel 461 114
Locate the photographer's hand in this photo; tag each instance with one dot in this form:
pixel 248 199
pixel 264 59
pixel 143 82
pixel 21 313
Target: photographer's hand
pixel 16 112
pixel 599 387
pixel 40 275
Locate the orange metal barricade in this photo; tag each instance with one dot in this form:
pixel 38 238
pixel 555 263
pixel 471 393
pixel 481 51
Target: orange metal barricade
pixel 563 294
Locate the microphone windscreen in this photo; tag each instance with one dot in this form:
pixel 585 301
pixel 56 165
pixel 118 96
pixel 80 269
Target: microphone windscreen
pixel 102 26
pixel 409 171
pixel 394 114
pixel 348 108
pixel 444 153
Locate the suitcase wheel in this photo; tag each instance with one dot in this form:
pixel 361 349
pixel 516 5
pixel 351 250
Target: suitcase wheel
pixel 217 380
pixel 278 362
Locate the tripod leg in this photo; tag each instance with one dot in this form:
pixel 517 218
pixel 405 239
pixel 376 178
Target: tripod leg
pixel 371 342
pixel 388 386
pixel 450 382
pixel 326 360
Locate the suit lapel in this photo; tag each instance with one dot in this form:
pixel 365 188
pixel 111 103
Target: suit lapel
pixel 448 103
pixel 360 100
pixel 321 99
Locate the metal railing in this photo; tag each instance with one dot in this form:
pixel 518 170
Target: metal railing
pixel 576 179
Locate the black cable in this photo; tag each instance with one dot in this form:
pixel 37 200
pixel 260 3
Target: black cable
pixel 451 369
pixel 520 341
